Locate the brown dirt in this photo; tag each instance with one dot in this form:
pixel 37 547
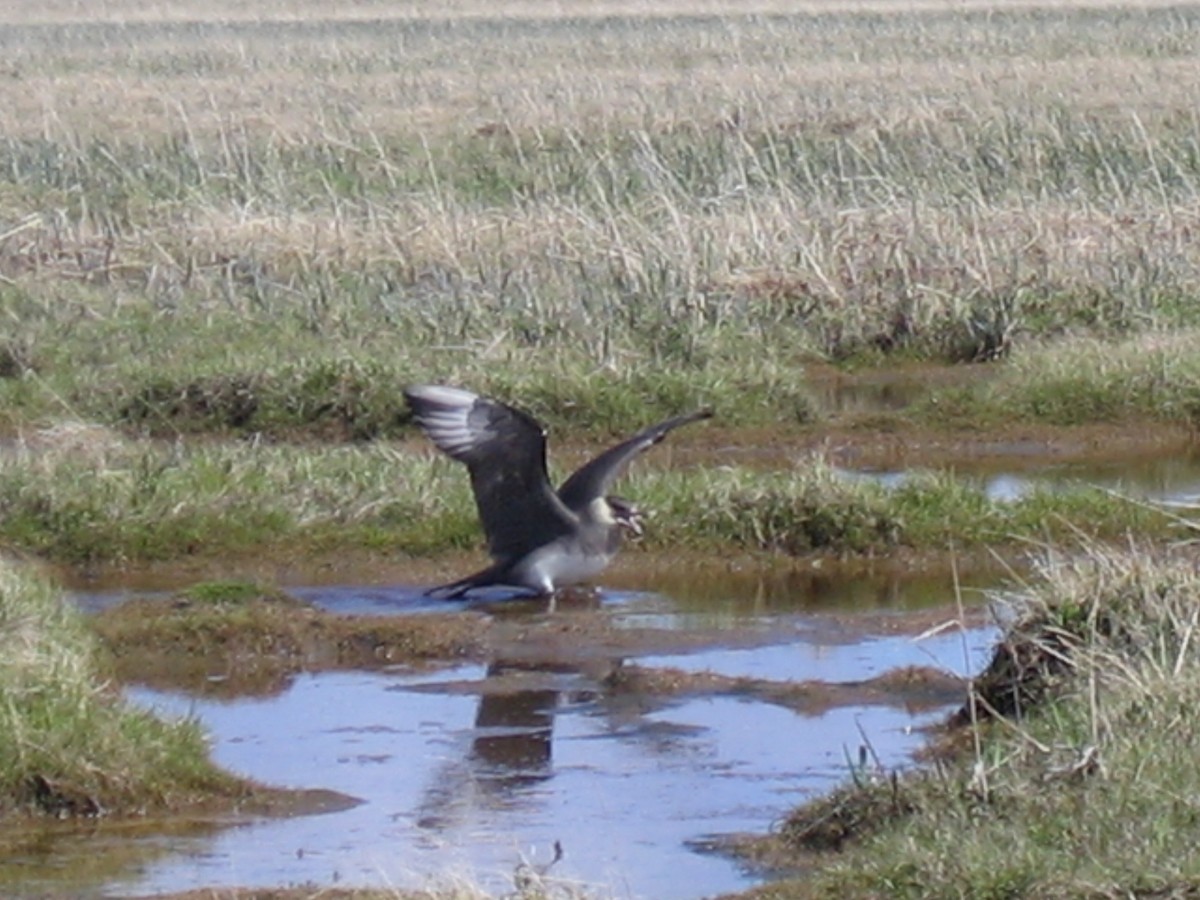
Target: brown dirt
pixel 255 646
pixel 916 688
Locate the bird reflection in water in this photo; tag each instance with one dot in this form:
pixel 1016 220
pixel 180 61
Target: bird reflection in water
pixel 513 742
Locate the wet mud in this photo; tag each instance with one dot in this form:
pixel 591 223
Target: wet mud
pixel 917 688
pixel 255 644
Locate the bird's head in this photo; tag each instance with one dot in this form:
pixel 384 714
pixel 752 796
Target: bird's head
pixel 626 515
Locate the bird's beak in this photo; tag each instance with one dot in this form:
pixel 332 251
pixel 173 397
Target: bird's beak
pixel 633 524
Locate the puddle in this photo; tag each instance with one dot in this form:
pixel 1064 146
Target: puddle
pixel 716 596
pixel 1168 479
pixel 467 772
pixel 835 662
pixel 880 392
pixel 471 785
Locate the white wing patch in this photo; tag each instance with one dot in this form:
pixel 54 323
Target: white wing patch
pixel 442 395
pixel 446 419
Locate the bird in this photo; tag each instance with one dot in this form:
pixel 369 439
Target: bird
pixel 540 539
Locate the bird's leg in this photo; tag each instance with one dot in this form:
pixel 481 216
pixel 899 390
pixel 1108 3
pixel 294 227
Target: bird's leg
pixel 544 588
pixel 575 597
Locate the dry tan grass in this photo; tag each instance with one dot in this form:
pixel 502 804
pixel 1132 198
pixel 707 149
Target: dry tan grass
pixel 57 11
pixel 524 175
pixel 814 66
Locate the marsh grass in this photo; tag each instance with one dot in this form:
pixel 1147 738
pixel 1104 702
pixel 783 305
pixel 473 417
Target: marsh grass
pixel 1086 789
pixel 136 502
pixel 817 508
pixel 1151 378
pixel 351 400
pixel 68 744
pixel 140 501
pixel 265 226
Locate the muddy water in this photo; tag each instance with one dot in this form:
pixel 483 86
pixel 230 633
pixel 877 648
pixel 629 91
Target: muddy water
pixel 474 770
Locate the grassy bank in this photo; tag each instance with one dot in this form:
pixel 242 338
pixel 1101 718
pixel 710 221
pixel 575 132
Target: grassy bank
pixel 1148 379
pixel 68 744
pixel 1152 378
pixel 1086 789
pixel 108 501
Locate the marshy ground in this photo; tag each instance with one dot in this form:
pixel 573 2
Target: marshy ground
pixel 934 270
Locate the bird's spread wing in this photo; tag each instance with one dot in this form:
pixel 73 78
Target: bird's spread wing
pixel 504 449
pixel 593 479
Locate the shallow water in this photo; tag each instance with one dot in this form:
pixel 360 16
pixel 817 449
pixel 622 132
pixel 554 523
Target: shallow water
pixel 1167 479
pixel 473 771
pixel 469 771
pixel 467 785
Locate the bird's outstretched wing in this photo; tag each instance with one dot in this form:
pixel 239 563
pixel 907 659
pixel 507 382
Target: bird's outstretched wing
pixel 504 449
pixel 593 479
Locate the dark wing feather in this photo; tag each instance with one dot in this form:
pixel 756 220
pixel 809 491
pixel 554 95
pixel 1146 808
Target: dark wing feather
pixel 593 479
pixel 504 449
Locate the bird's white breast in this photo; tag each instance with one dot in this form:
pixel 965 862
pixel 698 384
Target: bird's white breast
pixel 560 563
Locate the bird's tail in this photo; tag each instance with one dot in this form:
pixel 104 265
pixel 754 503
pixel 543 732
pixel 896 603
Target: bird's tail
pixel 456 590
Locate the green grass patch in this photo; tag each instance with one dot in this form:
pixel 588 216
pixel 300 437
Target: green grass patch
pixel 265 371
pixel 68 744
pixel 817 508
pixel 224 593
pixel 113 502
pixel 1151 377
pixel 295 384
pixel 137 502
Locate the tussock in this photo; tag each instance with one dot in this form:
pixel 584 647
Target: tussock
pixel 69 746
pixel 1081 788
